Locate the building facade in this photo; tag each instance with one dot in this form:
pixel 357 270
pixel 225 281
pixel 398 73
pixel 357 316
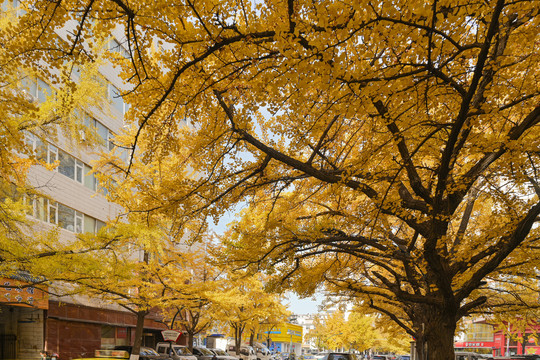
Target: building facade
pixel 74 203
pixel 286 338
pixel 307 323
pixel 484 337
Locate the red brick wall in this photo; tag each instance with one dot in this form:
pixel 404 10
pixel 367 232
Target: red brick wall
pixel 71 337
pixel 71 311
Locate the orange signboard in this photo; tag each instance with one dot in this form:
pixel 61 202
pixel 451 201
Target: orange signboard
pixel 20 293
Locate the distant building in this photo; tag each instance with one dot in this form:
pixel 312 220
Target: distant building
pixel 306 321
pixel 284 338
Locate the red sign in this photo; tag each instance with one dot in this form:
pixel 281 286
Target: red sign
pixel 474 344
pixel 20 293
pixel 170 335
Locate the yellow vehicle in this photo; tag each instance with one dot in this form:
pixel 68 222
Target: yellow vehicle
pixel 108 355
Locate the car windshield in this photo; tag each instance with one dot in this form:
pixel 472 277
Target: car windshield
pixel 150 351
pixel 205 351
pixel 180 350
pixel 220 352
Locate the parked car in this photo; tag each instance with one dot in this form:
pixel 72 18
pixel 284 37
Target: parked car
pixel 145 353
pixel 262 352
pixel 404 357
pixel 202 353
pixel 466 355
pixel 175 351
pixel 222 354
pixel 381 357
pixel 246 352
pixel 339 356
pixel 320 355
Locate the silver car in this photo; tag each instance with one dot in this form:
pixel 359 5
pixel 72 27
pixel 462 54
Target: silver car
pixel 174 351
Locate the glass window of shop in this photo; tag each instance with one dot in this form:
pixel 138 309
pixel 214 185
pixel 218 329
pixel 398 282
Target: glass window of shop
pixel 112 336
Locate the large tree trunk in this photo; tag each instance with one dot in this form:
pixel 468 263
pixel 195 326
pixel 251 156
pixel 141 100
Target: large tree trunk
pixel 436 340
pixel 138 335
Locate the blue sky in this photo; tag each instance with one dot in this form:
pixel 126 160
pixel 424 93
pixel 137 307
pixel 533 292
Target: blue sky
pixel 303 306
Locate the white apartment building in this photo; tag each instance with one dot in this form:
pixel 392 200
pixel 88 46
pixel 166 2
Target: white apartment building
pixel 73 327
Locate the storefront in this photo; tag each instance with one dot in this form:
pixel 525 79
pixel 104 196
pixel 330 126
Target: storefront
pixel 23 309
pixel 31 321
pixel 480 347
pixel 285 338
pixel 516 343
pixel 75 331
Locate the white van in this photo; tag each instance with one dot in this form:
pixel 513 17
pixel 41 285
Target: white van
pixel 175 351
pixel 246 352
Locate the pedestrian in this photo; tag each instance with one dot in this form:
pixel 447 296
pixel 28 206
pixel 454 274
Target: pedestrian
pixel 44 355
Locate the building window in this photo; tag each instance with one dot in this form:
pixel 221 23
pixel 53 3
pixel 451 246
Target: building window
pixel 89 224
pixel 65 217
pixel 116 47
pixel 104 135
pixel 40 206
pixel 53 212
pixel 79 166
pixel 92 225
pixel 67 165
pixel 107 337
pixel 116 98
pixel 41 150
pixel 69 219
pixel 112 336
pixel 89 178
pixel 38 89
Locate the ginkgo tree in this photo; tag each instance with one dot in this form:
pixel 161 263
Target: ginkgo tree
pixel 388 150
pixel 142 272
pixel 187 302
pixel 358 331
pixel 244 304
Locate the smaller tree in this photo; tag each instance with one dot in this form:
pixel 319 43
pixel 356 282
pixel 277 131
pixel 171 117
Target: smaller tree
pixel 244 304
pixel 358 331
pixel 361 332
pixel 336 332
pixel 132 273
pixel 188 302
pixel 316 335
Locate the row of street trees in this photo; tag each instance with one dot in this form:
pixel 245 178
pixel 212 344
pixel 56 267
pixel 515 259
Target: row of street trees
pixel 136 261
pixel 386 150
pixel 358 332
